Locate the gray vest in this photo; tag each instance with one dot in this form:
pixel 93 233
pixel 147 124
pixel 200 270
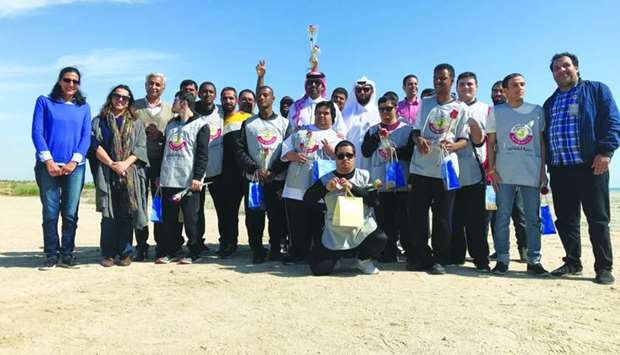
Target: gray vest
pixel 378 160
pixel 299 176
pixel 216 144
pixel 518 159
pixel 345 238
pixel 264 140
pixel 179 152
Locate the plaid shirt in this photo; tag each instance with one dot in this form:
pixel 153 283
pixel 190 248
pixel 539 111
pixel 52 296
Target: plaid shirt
pixel 564 129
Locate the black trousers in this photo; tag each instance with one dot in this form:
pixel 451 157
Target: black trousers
pixel 393 220
pixel 305 225
pixel 233 188
pixel 117 233
pixel 427 192
pixel 575 187
pixel 216 190
pixel 323 260
pixel 190 206
pixel 255 219
pixel 468 224
pixel 518 221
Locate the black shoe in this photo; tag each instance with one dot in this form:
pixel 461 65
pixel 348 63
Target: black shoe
pixel 258 258
pixel 523 255
pixel 275 255
pixel 483 268
pixel 567 269
pixel 204 249
pixel 388 258
pixel 49 264
pixel 226 252
pixel 500 268
pixel 537 270
pixel 416 266
pixel 437 269
pixel 493 256
pixel 68 262
pixel 141 254
pixel 291 259
pixel 459 262
pixel 604 277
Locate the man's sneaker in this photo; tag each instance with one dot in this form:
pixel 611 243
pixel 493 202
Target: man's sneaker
pixel 493 256
pixel 523 255
pixel 483 268
pixel 226 252
pixel 49 264
pixel 500 268
pixel 604 277
pixel 258 258
pixel 437 269
pixel 107 262
pixel 163 260
pixel 537 270
pixel 126 261
pixel 567 269
pixel 186 260
pixel 68 262
pixel 367 267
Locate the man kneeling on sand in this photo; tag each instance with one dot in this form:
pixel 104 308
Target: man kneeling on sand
pixel 367 241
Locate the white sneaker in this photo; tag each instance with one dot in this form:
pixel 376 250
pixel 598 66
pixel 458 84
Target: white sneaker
pixel 367 267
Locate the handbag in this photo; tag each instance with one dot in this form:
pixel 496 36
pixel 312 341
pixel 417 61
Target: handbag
pixel 450 171
pixel 394 176
pixel 547 227
pixel 156 208
pixel 322 167
pixel 349 211
pixel 489 198
pixel 255 196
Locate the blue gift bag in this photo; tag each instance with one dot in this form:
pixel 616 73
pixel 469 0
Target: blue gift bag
pixel 156 209
pixel 255 196
pixel 394 176
pixel 321 167
pixel 490 199
pixel 450 171
pixel 546 219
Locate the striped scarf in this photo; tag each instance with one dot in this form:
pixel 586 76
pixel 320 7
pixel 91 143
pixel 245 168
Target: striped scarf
pixel 123 142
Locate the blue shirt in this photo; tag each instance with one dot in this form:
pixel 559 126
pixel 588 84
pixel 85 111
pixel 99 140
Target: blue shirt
pixel 60 131
pixel 564 129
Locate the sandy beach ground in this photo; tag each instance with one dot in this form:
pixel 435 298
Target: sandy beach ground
pixel 234 307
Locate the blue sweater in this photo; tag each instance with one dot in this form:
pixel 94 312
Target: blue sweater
pixel 599 120
pixel 60 131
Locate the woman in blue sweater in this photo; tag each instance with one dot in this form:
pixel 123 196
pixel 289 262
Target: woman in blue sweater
pixel 61 128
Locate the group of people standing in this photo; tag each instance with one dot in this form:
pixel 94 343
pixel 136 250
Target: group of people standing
pixel 292 167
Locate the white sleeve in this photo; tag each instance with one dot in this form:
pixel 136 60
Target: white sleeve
pixel 287 146
pixel 418 125
pixel 491 121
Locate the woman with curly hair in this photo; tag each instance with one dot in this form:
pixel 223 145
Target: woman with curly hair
pixel 119 142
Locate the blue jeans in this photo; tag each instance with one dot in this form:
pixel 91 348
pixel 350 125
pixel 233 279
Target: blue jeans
pixel 531 207
pixel 59 195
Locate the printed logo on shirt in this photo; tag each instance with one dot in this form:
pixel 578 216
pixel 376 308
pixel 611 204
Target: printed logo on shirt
pixel 439 121
pixel 266 138
pixel 217 134
pixel 176 142
pixel 308 144
pixel 521 134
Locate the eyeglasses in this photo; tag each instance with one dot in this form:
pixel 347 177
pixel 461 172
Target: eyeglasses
pixel 386 109
pixel 71 81
pixel 341 156
pixel 365 89
pixel 120 97
pixel 314 82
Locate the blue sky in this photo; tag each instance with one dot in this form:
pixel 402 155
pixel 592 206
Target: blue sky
pixel 120 41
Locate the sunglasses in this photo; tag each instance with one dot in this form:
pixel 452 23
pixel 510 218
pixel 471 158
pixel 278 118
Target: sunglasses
pixel 71 81
pixel 120 97
pixel 365 89
pixel 341 156
pixel 386 109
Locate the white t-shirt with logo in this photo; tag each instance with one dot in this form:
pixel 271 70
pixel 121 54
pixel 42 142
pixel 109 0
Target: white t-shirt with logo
pixel 437 123
pixel 469 167
pixel 518 133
